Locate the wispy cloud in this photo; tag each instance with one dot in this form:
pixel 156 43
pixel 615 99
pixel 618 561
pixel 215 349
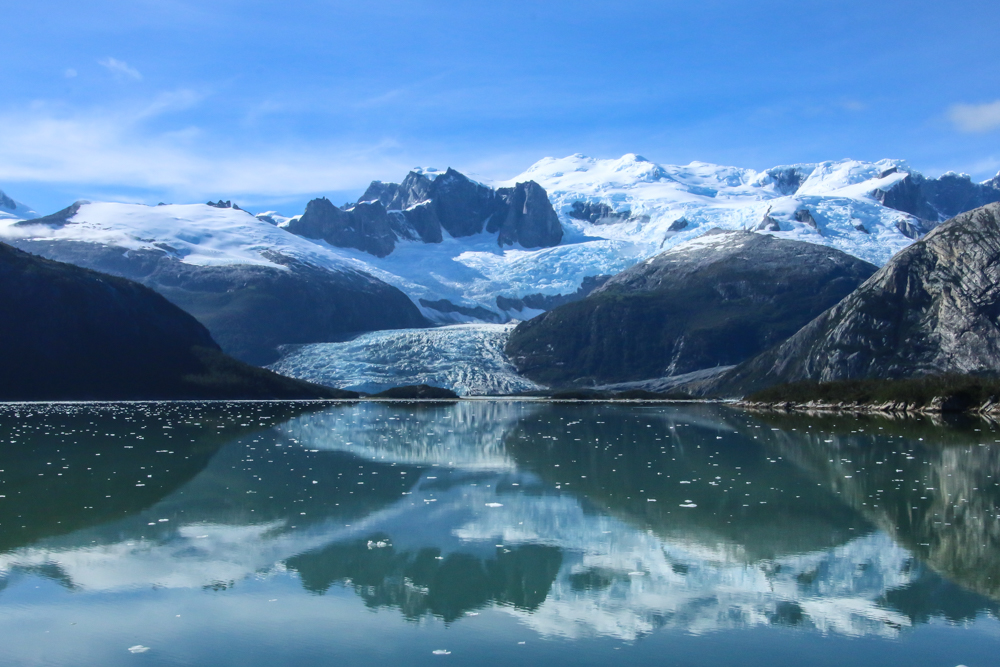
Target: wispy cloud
pixel 976 117
pixel 112 149
pixel 121 69
pixel 70 73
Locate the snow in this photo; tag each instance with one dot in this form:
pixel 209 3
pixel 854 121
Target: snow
pixel 429 172
pixel 194 233
pixel 18 211
pixel 467 359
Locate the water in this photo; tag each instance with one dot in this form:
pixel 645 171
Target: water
pixel 494 533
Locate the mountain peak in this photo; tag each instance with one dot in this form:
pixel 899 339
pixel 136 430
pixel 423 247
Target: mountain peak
pixel 11 209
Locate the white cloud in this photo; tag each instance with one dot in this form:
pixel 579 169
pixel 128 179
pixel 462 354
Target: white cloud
pixel 121 69
pixel 113 149
pixel 69 73
pixel 976 117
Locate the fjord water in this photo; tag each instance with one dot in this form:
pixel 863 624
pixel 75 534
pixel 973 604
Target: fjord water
pixel 494 533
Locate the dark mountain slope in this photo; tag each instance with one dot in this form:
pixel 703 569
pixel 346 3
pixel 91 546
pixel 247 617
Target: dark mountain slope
pixel 712 302
pixel 251 309
pixel 933 309
pixel 72 333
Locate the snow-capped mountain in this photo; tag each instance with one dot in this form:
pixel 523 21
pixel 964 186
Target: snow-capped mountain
pixel 466 252
pixel 615 213
pixel 11 209
pixel 253 284
pixel 857 207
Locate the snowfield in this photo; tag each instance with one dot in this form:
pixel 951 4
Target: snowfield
pixel 836 194
pixel 193 233
pixel 468 359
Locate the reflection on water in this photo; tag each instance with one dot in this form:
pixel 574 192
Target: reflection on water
pixel 575 521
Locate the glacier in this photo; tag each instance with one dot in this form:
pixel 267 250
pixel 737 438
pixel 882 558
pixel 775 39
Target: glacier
pixel 466 358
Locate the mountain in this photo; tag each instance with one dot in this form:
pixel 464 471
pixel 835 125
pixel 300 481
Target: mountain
pixel 869 210
pixel 14 210
pixel 253 284
pixel 422 208
pixel 938 199
pixel 74 334
pixel 933 309
pixel 711 302
pixel 439 239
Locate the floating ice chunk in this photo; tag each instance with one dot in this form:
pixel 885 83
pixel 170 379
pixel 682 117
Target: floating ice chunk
pixel 688 503
pixel 441 651
pixel 138 648
pixel 494 504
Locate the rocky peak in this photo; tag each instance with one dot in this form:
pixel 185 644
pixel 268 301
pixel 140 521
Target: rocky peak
pixel 414 189
pixel 57 219
pixel 462 205
pixel 366 226
pixel 422 208
pixel 6 202
pixel 786 180
pixel 530 219
pixel 223 204
pixel 937 199
pixel 768 224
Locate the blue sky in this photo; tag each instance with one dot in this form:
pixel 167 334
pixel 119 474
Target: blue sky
pixel 273 103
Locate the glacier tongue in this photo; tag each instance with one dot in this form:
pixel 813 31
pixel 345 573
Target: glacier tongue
pixel 466 358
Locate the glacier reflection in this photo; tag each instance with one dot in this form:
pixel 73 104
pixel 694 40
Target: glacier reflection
pixel 578 520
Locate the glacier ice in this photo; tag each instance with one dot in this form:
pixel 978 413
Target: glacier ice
pixel 466 358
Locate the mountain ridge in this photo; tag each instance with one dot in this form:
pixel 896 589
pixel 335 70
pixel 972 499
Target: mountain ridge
pixel 932 310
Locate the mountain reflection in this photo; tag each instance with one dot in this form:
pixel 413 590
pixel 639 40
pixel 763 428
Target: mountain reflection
pixel 579 520
pixel 933 487
pixel 425 582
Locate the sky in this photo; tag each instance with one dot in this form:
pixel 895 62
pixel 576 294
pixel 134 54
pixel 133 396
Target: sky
pixel 271 104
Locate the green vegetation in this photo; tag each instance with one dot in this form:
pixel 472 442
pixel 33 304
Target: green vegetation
pixel 959 392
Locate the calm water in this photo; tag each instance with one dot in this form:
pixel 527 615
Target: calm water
pixel 494 533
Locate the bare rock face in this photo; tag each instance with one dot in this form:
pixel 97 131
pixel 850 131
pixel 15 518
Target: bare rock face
pixel 933 309
pixel 530 219
pixel 423 209
pixel 937 199
pixel 803 215
pixel 365 227
pixel 768 224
